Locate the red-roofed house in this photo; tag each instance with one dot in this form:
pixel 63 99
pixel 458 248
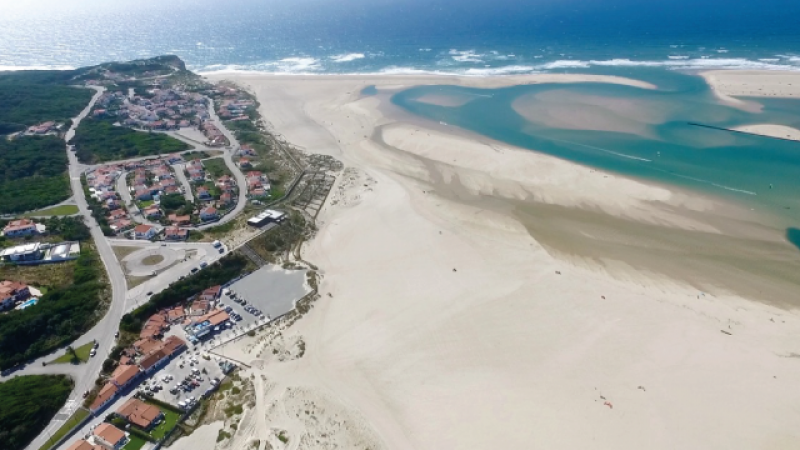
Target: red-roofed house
pixel 176 234
pixel 141 414
pixel 22 227
pixel 109 436
pixel 107 393
pixel 145 232
pixel 124 376
pixel 208 213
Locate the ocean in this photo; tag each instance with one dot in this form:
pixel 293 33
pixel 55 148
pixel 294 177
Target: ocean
pixel 471 37
pixel 656 41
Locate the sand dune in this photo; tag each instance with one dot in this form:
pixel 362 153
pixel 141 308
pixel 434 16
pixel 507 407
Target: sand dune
pixel 449 326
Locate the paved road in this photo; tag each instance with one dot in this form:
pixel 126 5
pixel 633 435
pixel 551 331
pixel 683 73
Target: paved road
pixel 181 176
pixel 85 374
pixel 133 210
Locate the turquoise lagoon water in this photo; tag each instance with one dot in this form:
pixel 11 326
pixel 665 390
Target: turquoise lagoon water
pixel 649 134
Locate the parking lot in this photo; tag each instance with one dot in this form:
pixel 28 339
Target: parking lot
pixel 186 378
pixel 270 289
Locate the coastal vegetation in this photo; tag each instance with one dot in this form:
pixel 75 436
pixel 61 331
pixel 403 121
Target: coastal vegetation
pixel 98 140
pixel 27 404
pixel 224 270
pixel 33 173
pixel 62 314
pixel 26 104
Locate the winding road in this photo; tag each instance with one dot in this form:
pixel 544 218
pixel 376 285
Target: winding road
pixel 103 332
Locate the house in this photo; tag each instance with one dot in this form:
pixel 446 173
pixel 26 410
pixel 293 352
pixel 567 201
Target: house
pixel 162 354
pixel 175 314
pixel 198 176
pixel 84 445
pixel 22 227
pixel 124 376
pixel 225 199
pixel 199 307
pixel 244 163
pixel 140 414
pixel 146 345
pixel 209 213
pixel 145 232
pixel 107 393
pixel 109 437
pixel 144 194
pixel 155 326
pixel 120 225
pixel 117 214
pixel 211 293
pixel 152 212
pixel 180 220
pixel 203 194
pixel 176 234
pixel 12 292
pixel 152 362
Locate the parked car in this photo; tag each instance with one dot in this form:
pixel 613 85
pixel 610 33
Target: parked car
pixel 203 265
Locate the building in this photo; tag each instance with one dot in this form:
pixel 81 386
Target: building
pixel 176 234
pixel 152 212
pixel 124 376
pixel 199 307
pixel 203 326
pixel 157 358
pixel 107 393
pixel 208 213
pixel 22 227
pixel 84 445
pixel 140 414
pixel 12 292
pixel 211 293
pixel 266 217
pixel 109 437
pixel 180 220
pixel 27 252
pixel 145 232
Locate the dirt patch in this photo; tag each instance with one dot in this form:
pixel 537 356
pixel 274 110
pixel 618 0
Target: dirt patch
pixel 122 252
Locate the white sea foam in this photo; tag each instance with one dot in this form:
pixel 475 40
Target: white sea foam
pixel 696 63
pixel 565 64
pixel 465 55
pixel 347 57
pixel 677 57
pixel 505 70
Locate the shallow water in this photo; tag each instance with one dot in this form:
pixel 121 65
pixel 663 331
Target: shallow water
pixel 660 135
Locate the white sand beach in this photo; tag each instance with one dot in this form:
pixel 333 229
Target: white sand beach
pixel 443 323
pixel 729 84
pixel 772 130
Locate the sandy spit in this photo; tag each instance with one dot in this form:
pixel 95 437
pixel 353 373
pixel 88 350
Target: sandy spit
pixel 449 326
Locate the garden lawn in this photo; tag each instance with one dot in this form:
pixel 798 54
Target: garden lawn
pixel 170 420
pixel 135 443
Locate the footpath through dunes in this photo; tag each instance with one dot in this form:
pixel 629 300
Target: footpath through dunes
pixel 449 311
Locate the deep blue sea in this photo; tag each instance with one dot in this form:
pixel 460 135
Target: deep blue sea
pixel 476 37
pixel 656 40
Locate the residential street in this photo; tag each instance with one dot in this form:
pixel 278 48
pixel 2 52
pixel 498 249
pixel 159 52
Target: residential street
pixel 103 332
